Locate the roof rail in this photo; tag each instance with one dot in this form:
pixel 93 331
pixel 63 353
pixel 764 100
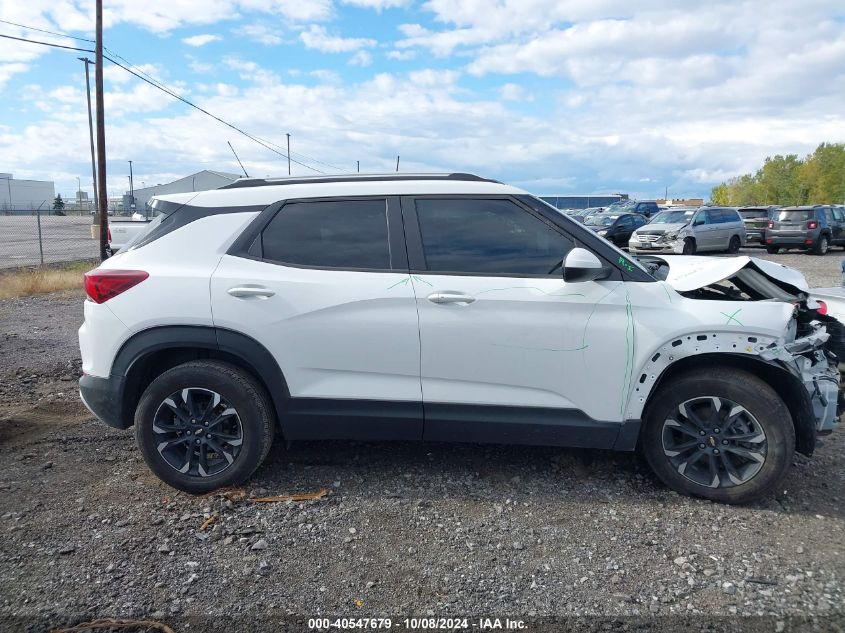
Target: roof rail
pixel 309 180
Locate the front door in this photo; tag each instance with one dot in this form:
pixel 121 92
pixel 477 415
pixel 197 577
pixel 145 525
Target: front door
pixel 324 287
pixel 509 351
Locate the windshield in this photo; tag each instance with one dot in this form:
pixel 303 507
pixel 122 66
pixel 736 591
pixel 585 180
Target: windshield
pixel 795 216
pixel 601 219
pixel 673 217
pixel 622 206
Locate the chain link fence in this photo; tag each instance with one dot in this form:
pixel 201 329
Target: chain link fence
pixel 32 238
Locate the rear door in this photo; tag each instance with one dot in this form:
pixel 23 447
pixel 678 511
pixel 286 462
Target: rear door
pixel 324 286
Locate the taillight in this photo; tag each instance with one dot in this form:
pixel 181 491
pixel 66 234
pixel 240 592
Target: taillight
pixel 102 285
pixel 822 309
pixel 812 224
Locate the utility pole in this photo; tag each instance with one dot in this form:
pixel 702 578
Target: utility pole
pixel 131 190
pixel 91 134
pixel 397 163
pixel 358 164
pixel 288 135
pixel 101 136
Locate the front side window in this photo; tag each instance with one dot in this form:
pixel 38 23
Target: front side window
pixel 329 234
pixel 495 237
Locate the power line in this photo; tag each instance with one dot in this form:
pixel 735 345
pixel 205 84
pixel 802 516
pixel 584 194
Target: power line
pixel 32 28
pixel 140 74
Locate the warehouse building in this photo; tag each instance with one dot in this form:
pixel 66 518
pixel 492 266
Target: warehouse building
pixel 24 196
pixel 200 181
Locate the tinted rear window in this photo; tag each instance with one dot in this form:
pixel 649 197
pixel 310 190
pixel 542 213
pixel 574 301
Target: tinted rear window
pixel 750 214
pixel 332 234
pixel 794 216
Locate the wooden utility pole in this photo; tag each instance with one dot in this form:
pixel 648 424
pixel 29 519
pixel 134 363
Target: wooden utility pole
pixel 103 198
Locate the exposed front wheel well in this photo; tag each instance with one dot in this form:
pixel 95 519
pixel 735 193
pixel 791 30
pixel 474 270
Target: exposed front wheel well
pixel 785 384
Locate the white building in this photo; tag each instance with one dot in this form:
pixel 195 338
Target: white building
pixel 25 195
pixel 200 181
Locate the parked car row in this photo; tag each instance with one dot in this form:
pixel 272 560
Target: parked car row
pixel 691 230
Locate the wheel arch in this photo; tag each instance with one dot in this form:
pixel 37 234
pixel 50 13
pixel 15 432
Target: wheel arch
pixel 785 384
pixel 151 352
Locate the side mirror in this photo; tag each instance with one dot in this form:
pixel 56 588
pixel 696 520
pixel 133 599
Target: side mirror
pixel 698 222
pixel 582 265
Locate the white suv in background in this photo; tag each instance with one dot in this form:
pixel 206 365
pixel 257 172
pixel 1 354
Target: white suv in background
pixel 441 307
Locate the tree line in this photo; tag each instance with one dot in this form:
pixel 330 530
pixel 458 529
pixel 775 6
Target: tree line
pixel 819 178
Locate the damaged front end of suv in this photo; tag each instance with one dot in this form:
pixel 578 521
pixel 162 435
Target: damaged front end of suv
pixel 811 347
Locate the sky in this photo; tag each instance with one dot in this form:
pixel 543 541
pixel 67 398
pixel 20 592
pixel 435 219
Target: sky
pixel 555 96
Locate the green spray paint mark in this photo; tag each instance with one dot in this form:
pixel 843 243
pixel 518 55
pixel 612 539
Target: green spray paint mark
pixel 401 282
pixel 423 281
pixel 593 311
pixel 544 349
pixel 625 264
pixel 732 317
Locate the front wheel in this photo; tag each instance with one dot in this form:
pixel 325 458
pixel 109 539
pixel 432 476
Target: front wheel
pixel 689 246
pixel 734 245
pixel 724 436
pixel 773 250
pixel 204 425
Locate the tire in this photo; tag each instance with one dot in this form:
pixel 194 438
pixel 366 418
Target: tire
pixel 822 245
pixel 773 250
pixel 689 246
pixel 763 412
pixel 232 446
pixel 734 245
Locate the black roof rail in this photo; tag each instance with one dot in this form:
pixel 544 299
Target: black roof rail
pixel 308 180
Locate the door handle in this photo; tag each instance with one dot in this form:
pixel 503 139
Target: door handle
pixel 243 292
pixel 449 296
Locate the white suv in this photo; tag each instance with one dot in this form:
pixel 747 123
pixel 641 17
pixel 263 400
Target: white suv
pixel 440 307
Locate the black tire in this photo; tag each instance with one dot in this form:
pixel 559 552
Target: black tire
pixel 734 245
pixel 689 246
pixel 773 250
pixel 822 246
pixel 731 387
pixel 253 418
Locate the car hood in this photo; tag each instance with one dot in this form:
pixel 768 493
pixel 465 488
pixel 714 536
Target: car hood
pixel 660 228
pixel 689 272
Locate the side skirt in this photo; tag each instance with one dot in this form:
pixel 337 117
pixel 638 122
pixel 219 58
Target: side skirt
pixel 318 418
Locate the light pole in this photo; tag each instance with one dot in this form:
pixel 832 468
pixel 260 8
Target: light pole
pixel 288 135
pixel 131 190
pixel 91 132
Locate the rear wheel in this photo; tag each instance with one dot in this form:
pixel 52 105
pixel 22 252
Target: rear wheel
pixel 773 250
pixel 689 246
pixel 734 245
pixel 822 245
pixel 724 436
pixel 204 425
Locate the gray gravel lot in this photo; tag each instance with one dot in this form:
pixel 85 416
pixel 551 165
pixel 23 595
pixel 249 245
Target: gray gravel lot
pixel 446 530
pixel 63 239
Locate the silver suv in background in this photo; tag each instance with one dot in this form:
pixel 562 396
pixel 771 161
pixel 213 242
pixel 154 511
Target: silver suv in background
pixel 688 231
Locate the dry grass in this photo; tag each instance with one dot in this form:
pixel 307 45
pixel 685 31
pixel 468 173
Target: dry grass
pixel 22 283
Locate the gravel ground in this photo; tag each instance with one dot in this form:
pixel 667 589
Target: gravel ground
pixel 405 529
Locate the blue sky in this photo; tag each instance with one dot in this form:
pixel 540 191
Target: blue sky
pixel 576 96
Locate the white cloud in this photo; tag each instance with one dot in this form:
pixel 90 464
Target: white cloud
pixel 401 55
pixel 514 92
pixel 262 32
pixel 201 40
pixel 361 58
pixel 318 38
pixel 378 5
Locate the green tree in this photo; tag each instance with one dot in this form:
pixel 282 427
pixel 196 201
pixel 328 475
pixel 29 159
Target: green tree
pixel 58 203
pixel 787 180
